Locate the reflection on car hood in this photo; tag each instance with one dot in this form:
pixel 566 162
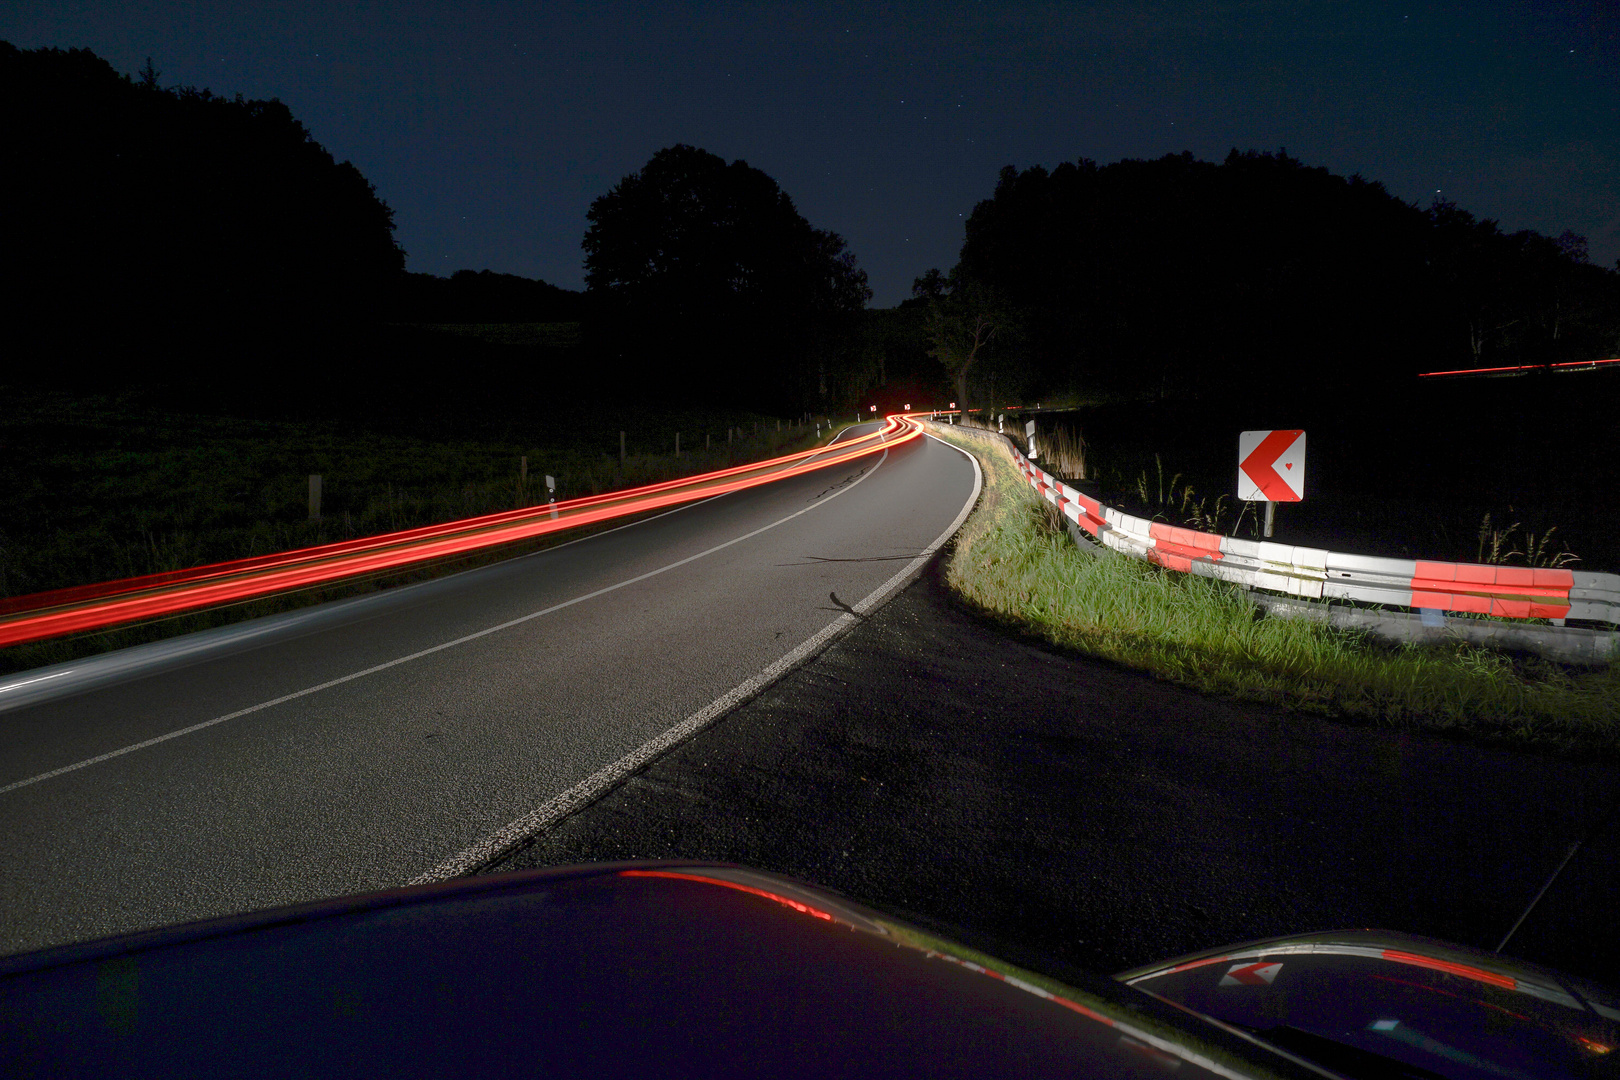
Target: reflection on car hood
pixel 1375 1002
pixel 678 969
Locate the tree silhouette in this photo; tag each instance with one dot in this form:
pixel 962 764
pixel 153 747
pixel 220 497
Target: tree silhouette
pixel 1175 273
pixel 162 223
pixel 964 319
pixel 710 281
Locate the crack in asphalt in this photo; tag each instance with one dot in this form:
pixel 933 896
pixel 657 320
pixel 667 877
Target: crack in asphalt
pixel 813 559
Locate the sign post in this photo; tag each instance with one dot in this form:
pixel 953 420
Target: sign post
pixel 1271 469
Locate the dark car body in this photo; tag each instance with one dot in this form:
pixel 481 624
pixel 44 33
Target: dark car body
pixel 659 969
pixel 663 969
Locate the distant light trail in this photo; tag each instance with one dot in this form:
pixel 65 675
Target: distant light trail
pixel 112 603
pixel 1591 364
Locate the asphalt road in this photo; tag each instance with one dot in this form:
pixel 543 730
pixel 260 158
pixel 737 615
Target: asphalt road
pixel 386 739
pixel 1062 812
pixel 1046 808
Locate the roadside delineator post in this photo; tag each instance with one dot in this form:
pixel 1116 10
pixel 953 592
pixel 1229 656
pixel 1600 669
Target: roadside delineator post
pixel 621 449
pixel 677 444
pixel 314 496
pixel 551 491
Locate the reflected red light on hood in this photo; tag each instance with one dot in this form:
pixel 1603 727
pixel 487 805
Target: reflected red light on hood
pixel 739 886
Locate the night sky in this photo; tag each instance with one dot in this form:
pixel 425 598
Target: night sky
pixel 490 127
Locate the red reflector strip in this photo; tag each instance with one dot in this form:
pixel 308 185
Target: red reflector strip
pixel 1515 579
pixel 1513 592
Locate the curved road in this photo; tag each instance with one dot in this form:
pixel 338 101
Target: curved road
pixel 410 735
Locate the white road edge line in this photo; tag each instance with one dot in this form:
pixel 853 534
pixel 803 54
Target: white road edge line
pixel 589 789
pixel 283 699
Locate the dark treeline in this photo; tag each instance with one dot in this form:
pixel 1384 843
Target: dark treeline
pixel 1178 274
pixel 209 248
pixel 483 296
pixel 144 223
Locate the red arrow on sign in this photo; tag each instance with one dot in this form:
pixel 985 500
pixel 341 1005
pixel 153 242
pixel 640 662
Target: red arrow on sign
pixel 1260 974
pixel 1260 466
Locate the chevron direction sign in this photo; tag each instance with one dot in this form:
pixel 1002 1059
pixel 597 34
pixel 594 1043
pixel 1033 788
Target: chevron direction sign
pixel 1261 974
pixel 1271 466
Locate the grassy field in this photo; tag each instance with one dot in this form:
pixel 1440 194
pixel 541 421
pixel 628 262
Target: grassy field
pixel 100 489
pixel 1014 561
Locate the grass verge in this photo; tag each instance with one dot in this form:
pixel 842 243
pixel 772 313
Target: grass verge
pixel 1013 560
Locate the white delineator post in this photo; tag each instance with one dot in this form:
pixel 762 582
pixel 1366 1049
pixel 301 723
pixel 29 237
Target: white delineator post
pixel 314 496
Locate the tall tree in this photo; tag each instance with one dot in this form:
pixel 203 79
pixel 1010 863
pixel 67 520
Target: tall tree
pixel 708 280
pixel 966 319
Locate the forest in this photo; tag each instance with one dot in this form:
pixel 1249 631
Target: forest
pixel 176 241
pixel 1165 277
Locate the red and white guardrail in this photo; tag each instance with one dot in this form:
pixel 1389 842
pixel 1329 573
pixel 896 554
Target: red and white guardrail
pixel 1514 592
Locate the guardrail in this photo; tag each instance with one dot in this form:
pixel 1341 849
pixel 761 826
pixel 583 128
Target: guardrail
pixel 1512 592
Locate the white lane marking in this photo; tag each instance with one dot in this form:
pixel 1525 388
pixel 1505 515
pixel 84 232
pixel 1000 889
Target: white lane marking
pixel 587 790
pixel 120 752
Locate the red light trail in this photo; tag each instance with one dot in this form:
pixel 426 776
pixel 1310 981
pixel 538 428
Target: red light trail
pixel 112 603
pixel 1591 365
